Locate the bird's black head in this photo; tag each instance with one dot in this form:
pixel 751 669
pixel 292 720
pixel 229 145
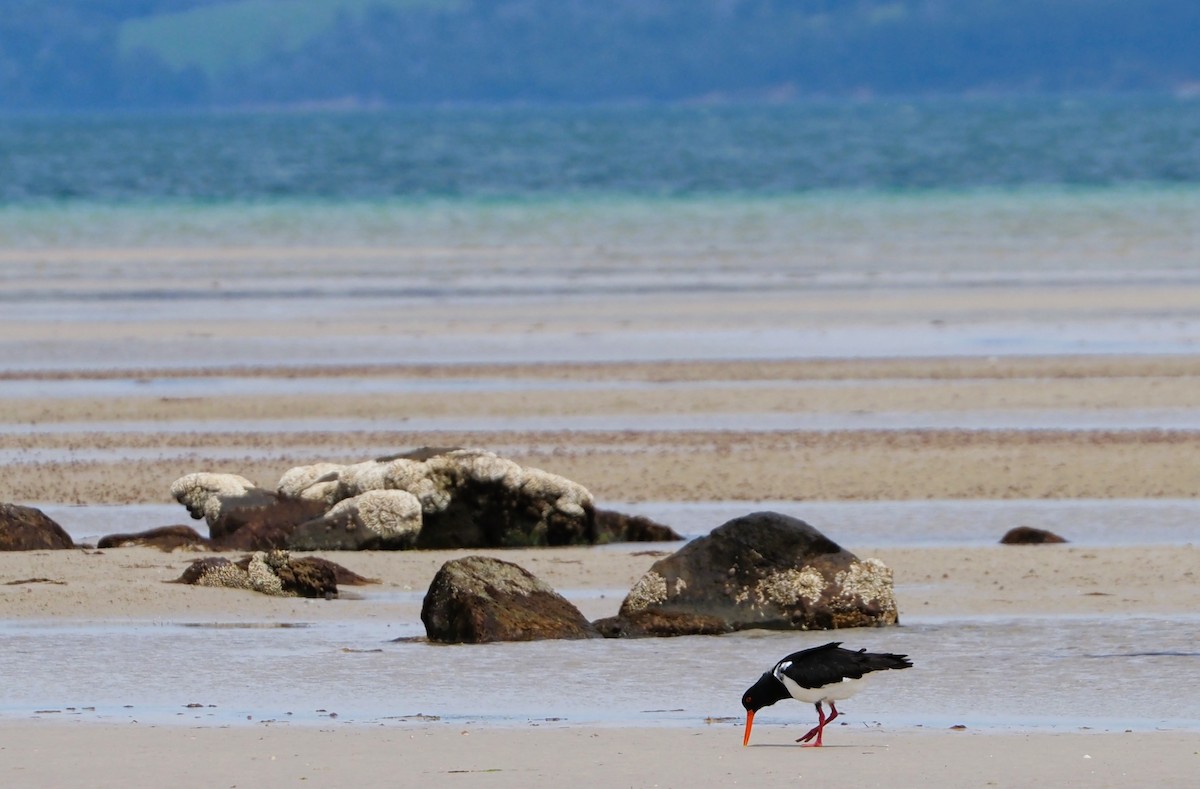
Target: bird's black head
pixel 764 693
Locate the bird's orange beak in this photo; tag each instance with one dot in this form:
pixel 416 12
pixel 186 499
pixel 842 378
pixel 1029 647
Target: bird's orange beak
pixel 749 723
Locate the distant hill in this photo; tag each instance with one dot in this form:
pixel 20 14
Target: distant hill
pixel 128 54
pixel 218 37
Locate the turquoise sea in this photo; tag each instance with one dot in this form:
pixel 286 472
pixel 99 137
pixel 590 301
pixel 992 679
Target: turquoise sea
pixel 448 202
pixel 525 154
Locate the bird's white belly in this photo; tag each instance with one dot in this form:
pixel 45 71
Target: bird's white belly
pixel 833 692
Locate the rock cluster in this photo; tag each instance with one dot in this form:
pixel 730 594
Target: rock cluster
pixel 429 498
pixel 764 570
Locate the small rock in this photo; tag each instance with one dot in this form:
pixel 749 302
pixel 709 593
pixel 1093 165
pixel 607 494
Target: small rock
pixel 612 526
pixel 1027 535
pixel 165 538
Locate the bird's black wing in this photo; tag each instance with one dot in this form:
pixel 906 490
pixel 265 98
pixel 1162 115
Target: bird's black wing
pixel 829 663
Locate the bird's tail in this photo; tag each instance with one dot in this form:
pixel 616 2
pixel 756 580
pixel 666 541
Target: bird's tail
pixel 879 661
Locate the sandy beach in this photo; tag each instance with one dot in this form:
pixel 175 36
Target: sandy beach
pixel 101 415
pixel 47 754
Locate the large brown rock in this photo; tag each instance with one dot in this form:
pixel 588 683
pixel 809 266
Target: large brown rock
pixel 478 599
pixel 30 529
pixel 763 570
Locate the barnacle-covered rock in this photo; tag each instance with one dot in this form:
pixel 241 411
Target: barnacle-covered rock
pixel 763 570
pixel 473 498
pixel 274 573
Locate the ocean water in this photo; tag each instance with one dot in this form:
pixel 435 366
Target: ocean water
pixel 452 217
pixel 528 153
pixel 815 190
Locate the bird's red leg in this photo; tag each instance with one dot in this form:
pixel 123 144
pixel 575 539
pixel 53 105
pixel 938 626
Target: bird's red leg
pixel 816 730
pixel 824 721
pixel 820 730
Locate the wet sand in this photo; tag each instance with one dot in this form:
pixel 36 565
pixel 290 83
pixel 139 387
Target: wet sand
pixel 130 583
pixel 97 447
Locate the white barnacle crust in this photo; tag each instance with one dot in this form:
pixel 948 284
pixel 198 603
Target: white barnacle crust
pixel 384 512
pixel 259 576
pixel 436 488
pixel 328 491
pixel 483 466
pixel 421 480
pixel 650 589
pixel 489 467
pixel 868 580
pixel 432 497
pixel 569 497
pixel 789 587
pixel 360 477
pixel 262 576
pixel 404 474
pixel 202 491
pixel 227 576
pixel 315 482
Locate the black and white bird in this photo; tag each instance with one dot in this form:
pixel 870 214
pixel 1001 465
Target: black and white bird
pixel 824 674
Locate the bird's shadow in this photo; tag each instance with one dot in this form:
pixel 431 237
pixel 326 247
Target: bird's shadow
pixel 797 746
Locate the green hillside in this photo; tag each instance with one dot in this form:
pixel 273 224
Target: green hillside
pixel 221 37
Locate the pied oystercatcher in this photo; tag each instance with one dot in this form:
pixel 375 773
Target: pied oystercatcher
pixel 822 674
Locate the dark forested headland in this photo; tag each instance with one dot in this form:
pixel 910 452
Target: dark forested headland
pixel 131 54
